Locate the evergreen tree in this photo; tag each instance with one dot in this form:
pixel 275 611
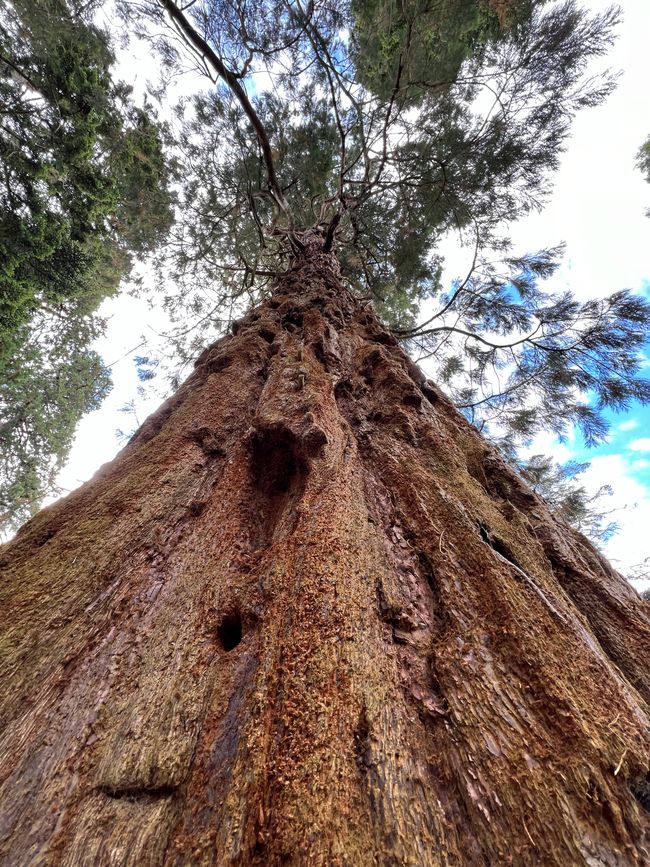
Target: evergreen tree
pixel 49 383
pixel 436 118
pixel 559 485
pixel 83 188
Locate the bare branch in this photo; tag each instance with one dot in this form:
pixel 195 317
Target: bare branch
pixel 201 46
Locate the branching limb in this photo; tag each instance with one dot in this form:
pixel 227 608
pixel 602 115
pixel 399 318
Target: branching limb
pixel 202 47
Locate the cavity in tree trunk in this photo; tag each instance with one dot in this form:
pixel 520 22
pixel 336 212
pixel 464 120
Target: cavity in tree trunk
pixel 309 616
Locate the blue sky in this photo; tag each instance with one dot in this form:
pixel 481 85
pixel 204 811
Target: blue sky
pixel 598 209
pixel 629 436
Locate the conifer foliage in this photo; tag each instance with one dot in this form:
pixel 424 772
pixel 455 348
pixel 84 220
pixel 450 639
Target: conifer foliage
pixel 392 125
pixel 83 188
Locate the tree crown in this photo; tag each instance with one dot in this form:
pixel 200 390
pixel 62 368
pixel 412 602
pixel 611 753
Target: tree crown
pixel 84 188
pixel 389 128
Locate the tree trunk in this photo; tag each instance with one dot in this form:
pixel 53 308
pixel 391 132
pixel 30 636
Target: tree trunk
pixel 309 616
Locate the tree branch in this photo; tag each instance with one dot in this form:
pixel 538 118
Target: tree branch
pixel 200 45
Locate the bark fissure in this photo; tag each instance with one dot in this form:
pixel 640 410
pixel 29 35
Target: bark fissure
pixel 137 794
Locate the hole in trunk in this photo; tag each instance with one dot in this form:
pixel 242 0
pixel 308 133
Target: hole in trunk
pixel 138 793
pixel 384 337
pixel 342 389
pixel 412 398
pixel 362 750
pixel 197 507
pixel 229 631
pixel 319 351
pixel 429 392
pixel 47 534
pixel 267 334
pixel 292 320
pixel 640 788
pixel 218 363
pixel 275 463
pixel 279 472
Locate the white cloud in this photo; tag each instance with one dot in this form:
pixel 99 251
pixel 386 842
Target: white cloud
pixel 640 464
pixel 630 506
pixel 600 213
pixel 546 443
pixel 628 425
pixel 640 445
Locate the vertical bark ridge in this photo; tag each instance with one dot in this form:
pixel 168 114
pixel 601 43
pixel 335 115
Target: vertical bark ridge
pixel 308 616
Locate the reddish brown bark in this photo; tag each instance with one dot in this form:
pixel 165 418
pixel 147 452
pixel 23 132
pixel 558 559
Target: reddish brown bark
pixel 308 616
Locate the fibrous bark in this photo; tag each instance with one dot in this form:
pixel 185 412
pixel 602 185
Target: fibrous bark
pixel 309 616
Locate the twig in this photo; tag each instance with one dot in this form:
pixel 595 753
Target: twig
pixel 199 44
pixel 528 833
pixel 620 764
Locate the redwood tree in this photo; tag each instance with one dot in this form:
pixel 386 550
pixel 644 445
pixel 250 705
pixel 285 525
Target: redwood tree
pixel 309 615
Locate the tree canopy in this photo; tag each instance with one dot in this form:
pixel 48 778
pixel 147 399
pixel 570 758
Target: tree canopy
pixel 47 388
pixel 560 486
pixel 85 187
pixel 357 129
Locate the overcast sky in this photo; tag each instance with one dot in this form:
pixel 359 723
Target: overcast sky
pixel 597 209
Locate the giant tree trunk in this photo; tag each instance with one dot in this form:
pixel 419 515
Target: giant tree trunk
pixel 308 616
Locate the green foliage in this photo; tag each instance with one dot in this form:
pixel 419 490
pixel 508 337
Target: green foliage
pixel 83 175
pixel 643 162
pixel 84 186
pixel 516 357
pixel 396 171
pixel 50 379
pixel 223 242
pixel 141 177
pixel 559 486
pixel 416 45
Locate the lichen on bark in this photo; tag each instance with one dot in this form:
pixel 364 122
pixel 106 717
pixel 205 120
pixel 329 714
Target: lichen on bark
pixel 309 616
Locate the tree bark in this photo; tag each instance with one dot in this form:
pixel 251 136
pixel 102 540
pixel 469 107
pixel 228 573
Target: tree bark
pixel 309 616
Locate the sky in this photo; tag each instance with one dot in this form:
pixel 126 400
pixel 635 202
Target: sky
pixel 597 209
